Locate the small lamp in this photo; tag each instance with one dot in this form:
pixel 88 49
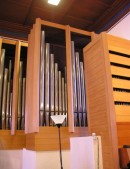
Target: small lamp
pixel 58 120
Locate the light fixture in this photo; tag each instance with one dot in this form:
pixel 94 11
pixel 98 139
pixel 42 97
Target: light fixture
pixel 58 120
pixel 54 2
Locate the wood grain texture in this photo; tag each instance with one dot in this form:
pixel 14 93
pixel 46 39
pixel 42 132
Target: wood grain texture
pixel 80 31
pixel 122 113
pixel 69 80
pixel 47 138
pixel 52 24
pixel 9 142
pixel 119 59
pixel 123 130
pixel 120 71
pixel 15 88
pixel 120 83
pixel 121 96
pixel 100 103
pixel 118 44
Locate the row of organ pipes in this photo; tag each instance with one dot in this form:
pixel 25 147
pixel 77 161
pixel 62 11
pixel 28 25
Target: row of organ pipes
pixel 53 90
pixel 6 96
pixel 53 87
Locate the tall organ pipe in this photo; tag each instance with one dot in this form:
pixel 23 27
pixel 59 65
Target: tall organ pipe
pixel 78 88
pixel 1 75
pixel 47 73
pixel 7 105
pixel 56 88
pixel 51 87
pixel 20 96
pixel 42 67
pixel 59 93
pixel 10 110
pixel 83 94
pixel 74 76
pixel 63 98
pixel 66 102
pixel 4 98
pixel 23 102
pixel 10 69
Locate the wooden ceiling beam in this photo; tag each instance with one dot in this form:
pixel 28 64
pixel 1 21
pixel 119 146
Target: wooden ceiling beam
pixel 110 15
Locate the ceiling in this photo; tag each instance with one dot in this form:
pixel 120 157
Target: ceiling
pixel 17 16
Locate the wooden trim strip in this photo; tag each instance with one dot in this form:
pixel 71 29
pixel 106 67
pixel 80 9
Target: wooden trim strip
pixel 80 31
pixel 51 24
pixel 69 80
pixel 15 88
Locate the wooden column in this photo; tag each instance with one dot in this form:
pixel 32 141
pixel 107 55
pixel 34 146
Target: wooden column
pixel 69 80
pixel 15 88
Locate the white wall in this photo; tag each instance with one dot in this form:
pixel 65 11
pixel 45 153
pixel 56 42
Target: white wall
pixel 122 28
pixel 11 159
pixel 51 160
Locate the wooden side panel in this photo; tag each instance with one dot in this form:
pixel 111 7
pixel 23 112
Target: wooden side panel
pixel 120 71
pixel 120 60
pixel 69 80
pixel 100 103
pixel 123 130
pixel 122 113
pixel 15 88
pixel 121 96
pixel 47 138
pixel 9 142
pixel 118 44
pixel 120 83
pixel 32 84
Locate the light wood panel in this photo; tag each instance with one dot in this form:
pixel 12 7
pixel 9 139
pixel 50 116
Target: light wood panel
pixel 9 142
pixel 15 88
pixel 123 130
pixel 121 96
pixel 120 83
pixel 120 71
pixel 47 138
pixel 119 59
pixel 32 84
pixel 69 80
pixel 122 113
pixel 118 44
pixel 100 103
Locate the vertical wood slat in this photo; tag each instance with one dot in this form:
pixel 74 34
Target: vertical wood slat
pixel 32 85
pixel 15 88
pixel 69 80
pixel 100 104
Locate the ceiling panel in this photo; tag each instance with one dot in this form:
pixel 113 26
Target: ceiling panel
pixel 91 15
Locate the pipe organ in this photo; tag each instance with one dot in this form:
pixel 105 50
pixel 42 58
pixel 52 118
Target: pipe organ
pixel 79 94
pixel 7 60
pixel 53 90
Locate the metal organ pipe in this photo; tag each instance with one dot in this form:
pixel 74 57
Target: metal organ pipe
pixel 4 99
pixel 20 96
pixel 79 97
pixel 56 88
pixel 23 103
pixel 47 74
pixel 42 67
pixel 51 87
pixel 59 92
pixel 1 75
